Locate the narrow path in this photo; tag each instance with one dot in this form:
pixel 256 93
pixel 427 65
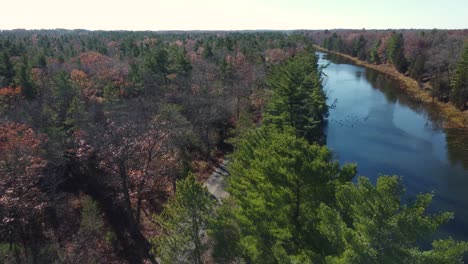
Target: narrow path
pixel 216 183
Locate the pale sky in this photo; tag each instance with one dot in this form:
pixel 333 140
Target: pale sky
pixel 232 15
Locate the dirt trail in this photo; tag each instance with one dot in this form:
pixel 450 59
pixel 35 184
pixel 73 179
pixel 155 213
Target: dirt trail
pixel 216 183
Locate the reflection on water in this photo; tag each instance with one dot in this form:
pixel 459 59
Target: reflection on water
pixel 378 126
pixel 457 146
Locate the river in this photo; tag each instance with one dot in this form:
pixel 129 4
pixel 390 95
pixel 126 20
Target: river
pixel 376 125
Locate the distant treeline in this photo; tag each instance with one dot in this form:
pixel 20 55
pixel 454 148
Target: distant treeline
pixel 438 57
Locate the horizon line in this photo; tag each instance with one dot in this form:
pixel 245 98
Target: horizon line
pixel 222 30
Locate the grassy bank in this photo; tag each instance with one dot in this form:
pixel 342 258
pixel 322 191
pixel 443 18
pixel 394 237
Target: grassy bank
pixel 454 117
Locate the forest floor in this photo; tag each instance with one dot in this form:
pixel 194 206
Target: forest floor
pixel 454 117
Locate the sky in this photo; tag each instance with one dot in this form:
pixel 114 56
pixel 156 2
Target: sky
pixel 233 14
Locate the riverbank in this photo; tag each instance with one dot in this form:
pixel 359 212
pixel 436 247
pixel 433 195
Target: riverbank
pixel 454 117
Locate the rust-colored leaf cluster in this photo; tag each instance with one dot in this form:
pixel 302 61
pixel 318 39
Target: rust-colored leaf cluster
pixel 10 92
pixel 21 167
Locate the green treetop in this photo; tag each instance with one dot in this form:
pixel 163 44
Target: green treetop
pixel 276 183
pixel 395 52
pixel 370 224
pixel 298 99
pixel 459 94
pixel 183 221
pixel 291 203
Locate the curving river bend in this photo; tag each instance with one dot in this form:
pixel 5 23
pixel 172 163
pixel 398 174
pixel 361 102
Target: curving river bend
pixel 377 126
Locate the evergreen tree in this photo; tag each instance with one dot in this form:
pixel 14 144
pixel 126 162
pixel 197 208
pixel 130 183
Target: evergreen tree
pixel 134 75
pixel 41 61
pixel 298 99
pixel 276 183
pixel 61 115
pixel 230 43
pixel 182 64
pixel 395 52
pixel 156 63
pixel 63 93
pixel 370 225
pixel 325 43
pixel 459 94
pixel 207 51
pixel 226 72
pixel 291 203
pixel 76 114
pixel 91 219
pixel 24 81
pixel 183 222
pixel 7 71
pixel 374 53
pixel 359 46
pixel 334 43
pixel 417 67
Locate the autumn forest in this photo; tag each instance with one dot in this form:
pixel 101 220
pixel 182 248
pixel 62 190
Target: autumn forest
pixel 108 138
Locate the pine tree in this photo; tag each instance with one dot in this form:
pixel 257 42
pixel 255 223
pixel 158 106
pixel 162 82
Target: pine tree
pixel 7 71
pixel 226 71
pixel 291 203
pixel 156 63
pixel 41 61
pixel 395 52
pixel 374 53
pixel 183 65
pixel 76 114
pixel 370 224
pixel 276 181
pixel 298 99
pixel 91 218
pixel 359 46
pixel 417 67
pixel 459 94
pixel 207 51
pixel 183 222
pixel 25 82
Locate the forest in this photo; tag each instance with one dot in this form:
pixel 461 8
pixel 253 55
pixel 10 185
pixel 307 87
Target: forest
pixel 106 139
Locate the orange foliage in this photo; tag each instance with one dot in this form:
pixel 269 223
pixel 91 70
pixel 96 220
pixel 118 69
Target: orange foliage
pixel 10 92
pixel 95 63
pixel 78 75
pixel 92 58
pixel 194 56
pixel 15 138
pixel 112 44
pixel 97 71
pixel 179 43
pixel 36 73
pixel 80 79
pixel 171 76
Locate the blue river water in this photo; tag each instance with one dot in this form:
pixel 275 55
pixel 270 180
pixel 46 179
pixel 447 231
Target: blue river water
pixel 374 124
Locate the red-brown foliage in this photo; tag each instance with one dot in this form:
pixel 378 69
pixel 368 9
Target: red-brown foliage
pixel 21 167
pixel 275 56
pixel 10 92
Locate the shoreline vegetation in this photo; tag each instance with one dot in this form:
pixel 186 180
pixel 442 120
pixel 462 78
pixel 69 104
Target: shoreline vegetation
pixel 454 117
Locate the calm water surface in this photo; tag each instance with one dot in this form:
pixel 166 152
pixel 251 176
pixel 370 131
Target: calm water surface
pixel 376 125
